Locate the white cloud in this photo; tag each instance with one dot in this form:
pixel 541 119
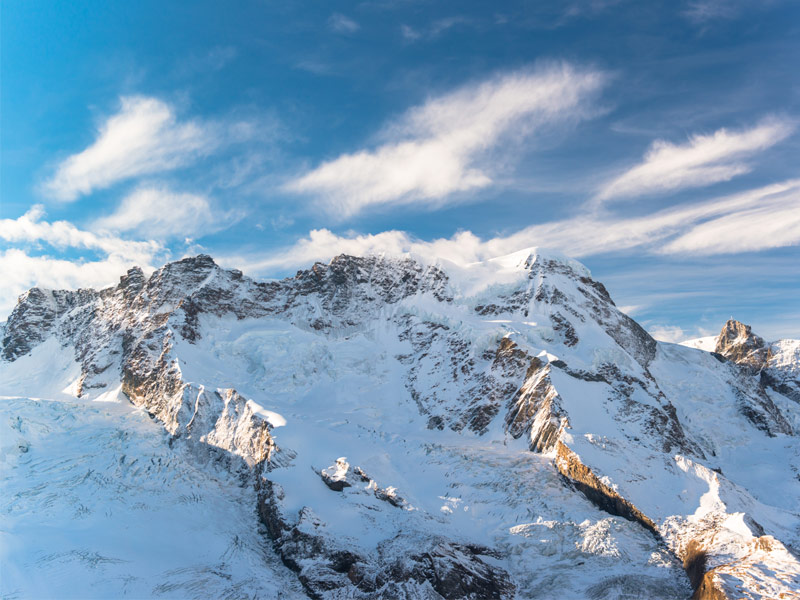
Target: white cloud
pixel 219 56
pixel 760 219
pixel 703 160
pixel 144 137
pixel 700 12
pixel 441 25
pixel 23 269
pixel 160 213
pixel 409 33
pixel 436 28
pixel 31 229
pixel 704 228
pixel 342 24
pixel 631 309
pixel 668 333
pixel 770 220
pixel 443 147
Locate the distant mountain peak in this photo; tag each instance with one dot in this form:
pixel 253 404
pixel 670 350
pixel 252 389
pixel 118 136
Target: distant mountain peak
pixel 738 343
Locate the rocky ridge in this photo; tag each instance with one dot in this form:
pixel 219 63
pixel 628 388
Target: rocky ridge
pixel 537 359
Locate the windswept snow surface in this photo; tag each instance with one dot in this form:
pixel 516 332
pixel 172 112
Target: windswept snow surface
pixel 96 504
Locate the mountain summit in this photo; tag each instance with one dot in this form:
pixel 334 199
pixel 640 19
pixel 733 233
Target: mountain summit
pixel 419 429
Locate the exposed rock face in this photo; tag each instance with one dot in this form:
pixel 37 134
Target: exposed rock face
pixel 776 371
pixel 431 384
pixel 35 317
pixel 570 466
pixel 535 409
pixel 335 477
pixel 443 570
pixel 738 343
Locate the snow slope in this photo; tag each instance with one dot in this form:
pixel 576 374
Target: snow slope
pixel 96 504
pixel 707 343
pixel 420 429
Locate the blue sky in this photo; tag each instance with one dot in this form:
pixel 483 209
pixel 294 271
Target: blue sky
pixel 656 142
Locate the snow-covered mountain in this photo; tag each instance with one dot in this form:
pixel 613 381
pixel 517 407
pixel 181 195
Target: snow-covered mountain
pixel 419 429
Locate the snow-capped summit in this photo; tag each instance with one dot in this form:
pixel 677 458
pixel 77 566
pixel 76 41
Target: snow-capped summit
pixel 422 429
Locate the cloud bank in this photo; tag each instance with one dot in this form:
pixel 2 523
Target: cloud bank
pixel 24 268
pixel 759 219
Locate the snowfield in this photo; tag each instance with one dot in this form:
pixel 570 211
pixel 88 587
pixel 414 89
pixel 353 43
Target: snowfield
pixel 96 504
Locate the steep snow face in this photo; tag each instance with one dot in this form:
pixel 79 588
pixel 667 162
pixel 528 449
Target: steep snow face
pixel 421 429
pixel 97 505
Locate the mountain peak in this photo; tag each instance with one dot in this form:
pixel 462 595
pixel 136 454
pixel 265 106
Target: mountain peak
pixel 738 343
pixel 526 258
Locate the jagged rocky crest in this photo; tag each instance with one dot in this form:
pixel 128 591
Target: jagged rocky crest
pixel 527 353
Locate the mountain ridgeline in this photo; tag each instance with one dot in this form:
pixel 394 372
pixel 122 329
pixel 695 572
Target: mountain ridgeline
pixel 420 429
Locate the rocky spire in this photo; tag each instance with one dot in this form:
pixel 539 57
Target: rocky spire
pixel 738 343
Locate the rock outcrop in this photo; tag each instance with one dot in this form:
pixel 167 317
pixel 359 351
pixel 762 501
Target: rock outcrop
pixel 738 343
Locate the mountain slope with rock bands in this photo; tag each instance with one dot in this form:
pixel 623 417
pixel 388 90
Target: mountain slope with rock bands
pixel 420 429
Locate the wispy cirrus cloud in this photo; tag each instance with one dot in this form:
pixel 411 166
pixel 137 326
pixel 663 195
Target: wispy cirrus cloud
pixel 436 28
pixel 339 23
pixel 444 146
pixel 142 138
pixel 703 12
pixel 703 228
pixel 409 33
pixel 668 333
pixel 161 213
pixel 759 219
pixel 768 218
pixel 701 161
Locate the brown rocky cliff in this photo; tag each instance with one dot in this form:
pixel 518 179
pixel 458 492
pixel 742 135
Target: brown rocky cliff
pixel 739 344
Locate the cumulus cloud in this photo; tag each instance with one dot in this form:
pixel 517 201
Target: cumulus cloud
pixel 443 146
pixel 342 24
pixel 31 229
pixel 22 271
pixel 161 213
pixel 759 219
pixel 702 161
pixel 144 137
pixel 24 268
